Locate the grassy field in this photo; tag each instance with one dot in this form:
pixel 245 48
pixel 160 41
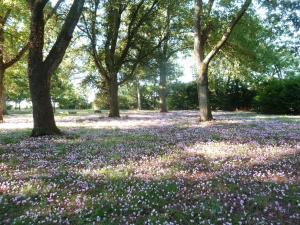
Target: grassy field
pixel 152 168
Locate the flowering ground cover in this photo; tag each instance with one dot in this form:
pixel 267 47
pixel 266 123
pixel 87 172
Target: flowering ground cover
pixel 152 168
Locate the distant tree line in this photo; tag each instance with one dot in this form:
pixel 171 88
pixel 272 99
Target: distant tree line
pixel 270 97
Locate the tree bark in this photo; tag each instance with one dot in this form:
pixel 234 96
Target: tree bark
pixel 2 68
pixel 163 87
pixel 5 110
pixel 203 94
pixel 113 97
pixel 43 116
pixel 1 94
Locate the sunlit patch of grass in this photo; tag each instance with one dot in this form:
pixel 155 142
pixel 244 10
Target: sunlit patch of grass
pixel 114 173
pixel 109 172
pixel 289 119
pixel 281 118
pixel 29 189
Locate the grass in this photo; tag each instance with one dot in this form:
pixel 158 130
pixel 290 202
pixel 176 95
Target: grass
pixel 242 168
pixel 13 137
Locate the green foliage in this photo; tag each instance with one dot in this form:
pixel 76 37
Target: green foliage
pixel 127 98
pixel 279 96
pixel 224 95
pixel 63 90
pixel 101 101
pixel 149 95
pixel 16 28
pixel 231 94
pixel 74 101
pixel 16 83
pixel 183 96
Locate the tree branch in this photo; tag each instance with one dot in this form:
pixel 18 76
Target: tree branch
pixel 227 33
pixel 133 30
pixel 93 38
pixel 57 52
pixel 209 6
pixel 139 59
pixel 114 21
pixel 17 57
pixel 53 11
pixel 198 44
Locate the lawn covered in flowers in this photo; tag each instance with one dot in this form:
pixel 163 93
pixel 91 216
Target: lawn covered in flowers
pixel 152 168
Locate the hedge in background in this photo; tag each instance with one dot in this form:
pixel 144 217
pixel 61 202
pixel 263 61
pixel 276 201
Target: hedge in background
pixel 279 97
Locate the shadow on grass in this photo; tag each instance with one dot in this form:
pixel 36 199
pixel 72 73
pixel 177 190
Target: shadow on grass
pixel 111 176
pixel 117 195
pixel 13 136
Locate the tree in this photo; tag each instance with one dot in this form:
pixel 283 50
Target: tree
pixel 173 19
pixel 202 31
pixel 12 46
pixel 40 70
pixel 279 96
pixel 129 38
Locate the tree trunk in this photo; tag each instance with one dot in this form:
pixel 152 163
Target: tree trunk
pixel 203 94
pixel 40 69
pixel 43 116
pixel 113 97
pixel 1 94
pixel 5 110
pixel 138 91
pixel 163 87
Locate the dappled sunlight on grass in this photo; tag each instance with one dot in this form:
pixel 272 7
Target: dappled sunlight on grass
pixel 151 168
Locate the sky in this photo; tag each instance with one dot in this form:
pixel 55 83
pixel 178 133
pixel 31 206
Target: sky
pixel 187 64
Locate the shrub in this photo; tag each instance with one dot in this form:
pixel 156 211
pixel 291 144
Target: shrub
pixel 231 95
pixel 279 97
pixel 182 96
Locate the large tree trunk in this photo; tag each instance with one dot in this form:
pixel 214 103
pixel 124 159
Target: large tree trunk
pixel 163 87
pixel 1 94
pixel 43 116
pixel 203 94
pixel 113 97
